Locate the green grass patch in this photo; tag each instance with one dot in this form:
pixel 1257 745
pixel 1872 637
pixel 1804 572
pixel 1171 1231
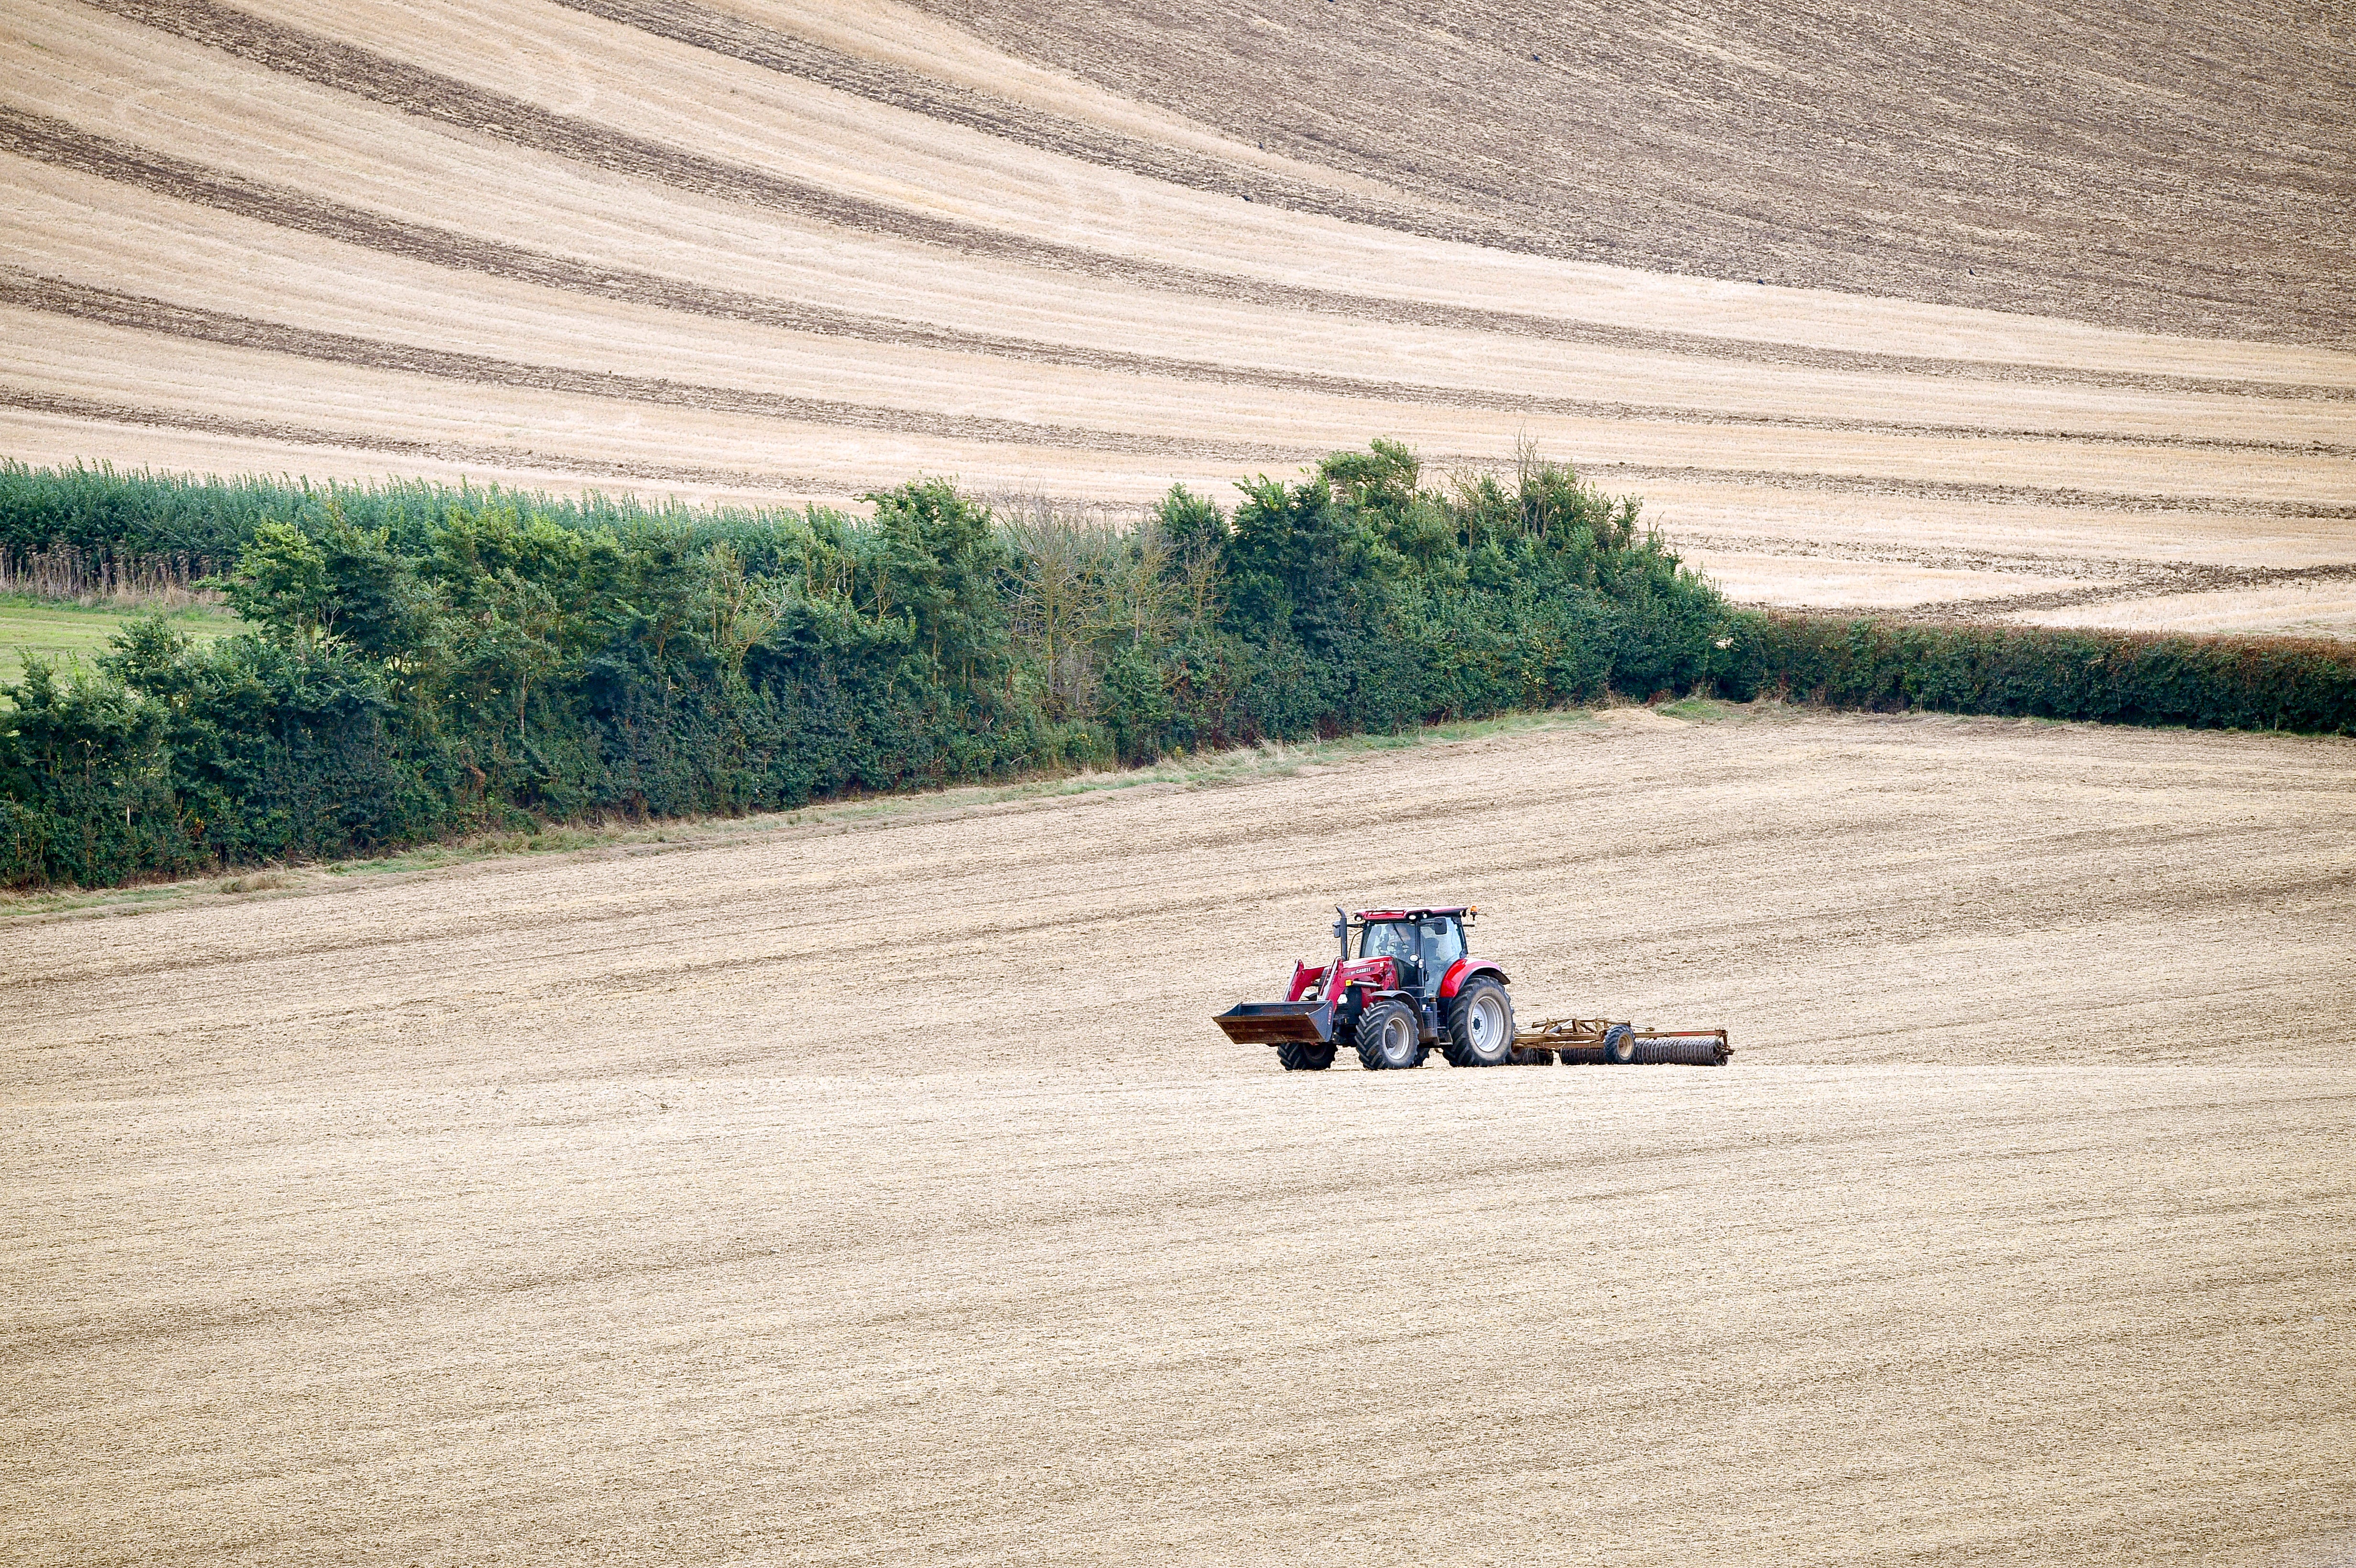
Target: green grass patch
pixel 71 635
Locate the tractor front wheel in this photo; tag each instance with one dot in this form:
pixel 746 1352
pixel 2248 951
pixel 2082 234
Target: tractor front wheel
pixel 1387 1036
pixel 1303 1056
pixel 1479 1026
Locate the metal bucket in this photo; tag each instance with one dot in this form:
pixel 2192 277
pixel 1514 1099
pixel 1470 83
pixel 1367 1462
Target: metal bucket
pixel 1271 1023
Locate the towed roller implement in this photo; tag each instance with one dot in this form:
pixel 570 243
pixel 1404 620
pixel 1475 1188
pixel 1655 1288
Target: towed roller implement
pixel 1580 1041
pixel 1405 983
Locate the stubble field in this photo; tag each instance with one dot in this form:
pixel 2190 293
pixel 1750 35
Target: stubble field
pixel 2031 315
pixel 870 1185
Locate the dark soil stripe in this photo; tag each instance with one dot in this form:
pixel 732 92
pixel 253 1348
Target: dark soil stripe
pixel 2102 579
pixel 139 312
pixel 2164 579
pixel 62 146
pixel 1980 494
pixel 430 95
pixel 506 458
pixel 33 292
pixel 717 32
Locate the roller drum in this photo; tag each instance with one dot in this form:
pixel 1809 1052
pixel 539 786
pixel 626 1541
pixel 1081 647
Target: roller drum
pixel 1698 1052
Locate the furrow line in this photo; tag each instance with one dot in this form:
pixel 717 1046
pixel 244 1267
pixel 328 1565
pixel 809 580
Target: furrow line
pixel 139 312
pixel 429 95
pixel 65 406
pixel 2164 577
pixel 62 145
pixel 900 86
pixel 1976 491
pixel 81 302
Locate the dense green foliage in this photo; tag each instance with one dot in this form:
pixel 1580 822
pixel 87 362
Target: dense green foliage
pixel 99 513
pixel 427 662
pixel 2115 677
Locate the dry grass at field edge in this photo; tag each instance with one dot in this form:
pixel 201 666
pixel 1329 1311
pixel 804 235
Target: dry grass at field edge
pixel 620 838
pixel 623 838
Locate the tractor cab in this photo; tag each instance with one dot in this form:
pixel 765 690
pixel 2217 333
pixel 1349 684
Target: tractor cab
pixel 1427 945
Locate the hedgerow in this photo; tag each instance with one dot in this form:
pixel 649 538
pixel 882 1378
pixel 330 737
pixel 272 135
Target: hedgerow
pixel 426 661
pixel 2113 677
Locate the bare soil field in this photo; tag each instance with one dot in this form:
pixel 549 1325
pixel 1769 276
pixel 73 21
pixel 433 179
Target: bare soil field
pixel 2166 166
pixel 870 1185
pixel 1844 295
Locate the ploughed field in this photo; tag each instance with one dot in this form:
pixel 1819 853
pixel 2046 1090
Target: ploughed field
pixel 871 1185
pixel 2039 314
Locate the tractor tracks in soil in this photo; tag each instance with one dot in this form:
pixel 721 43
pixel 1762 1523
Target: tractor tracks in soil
pixel 59 144
pixel 110 307
pixel 898 87
pixel 62 405
pixel 2105 579
pixel 431 95
pixel 139 312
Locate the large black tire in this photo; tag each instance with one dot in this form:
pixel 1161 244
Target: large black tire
pixel 1479 1026
pixel 1303 1056
pixel 1619 1045
pixel 1387 1036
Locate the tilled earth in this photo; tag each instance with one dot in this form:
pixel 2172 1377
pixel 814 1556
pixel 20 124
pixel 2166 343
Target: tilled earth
pixel 871 1187
pixel 2022 317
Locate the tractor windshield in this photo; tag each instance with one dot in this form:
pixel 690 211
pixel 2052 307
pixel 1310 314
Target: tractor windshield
pixel 1425 947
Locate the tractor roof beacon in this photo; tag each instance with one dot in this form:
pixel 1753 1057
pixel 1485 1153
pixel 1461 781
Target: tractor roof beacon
pixel 1405 981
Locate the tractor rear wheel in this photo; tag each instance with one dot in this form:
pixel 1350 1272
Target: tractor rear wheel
pixel 1387 1036
pixel 1303 1056
pixel 1620 1045
pixel 1479 1026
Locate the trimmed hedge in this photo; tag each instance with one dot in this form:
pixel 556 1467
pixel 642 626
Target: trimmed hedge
pixel 2113 677
pixel 427 662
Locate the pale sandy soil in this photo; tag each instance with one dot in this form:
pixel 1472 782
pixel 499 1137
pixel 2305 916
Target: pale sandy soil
pixel 873 1188
pixel 2321 609
pixel 779 253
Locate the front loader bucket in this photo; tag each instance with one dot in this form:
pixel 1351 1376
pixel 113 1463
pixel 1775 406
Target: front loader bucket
pixel 1271 1023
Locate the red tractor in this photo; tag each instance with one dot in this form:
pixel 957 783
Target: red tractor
pixel 1402 984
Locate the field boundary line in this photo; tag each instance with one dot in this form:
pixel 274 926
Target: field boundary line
pixel 431 95
pixel 66 406
pixel 1240 765
pixel 140 312
pixel 143 313
pixel 62 145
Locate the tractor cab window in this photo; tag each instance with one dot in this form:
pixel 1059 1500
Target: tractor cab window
pixel 1389 939
pixel 1444 943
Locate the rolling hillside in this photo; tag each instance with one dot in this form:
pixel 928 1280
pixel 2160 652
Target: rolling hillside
pixel 2046 323
pixel 873 1189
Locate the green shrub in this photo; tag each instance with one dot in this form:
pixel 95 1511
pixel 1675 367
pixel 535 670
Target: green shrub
pixel 2115 677
pixel 427 661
